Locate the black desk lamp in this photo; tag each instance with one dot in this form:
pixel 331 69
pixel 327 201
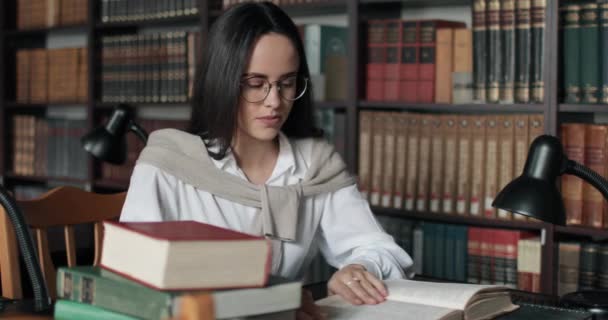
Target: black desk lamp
pixel 535 194
pixel 109 143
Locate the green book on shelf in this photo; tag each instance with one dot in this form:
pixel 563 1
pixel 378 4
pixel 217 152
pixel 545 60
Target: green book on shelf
pixel 71 310
pixel 571 52
pixel 104 289
pixel 603 14
pixel 589 46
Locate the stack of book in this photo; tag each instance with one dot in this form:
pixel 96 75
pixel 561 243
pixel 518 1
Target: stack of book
pixel 161 270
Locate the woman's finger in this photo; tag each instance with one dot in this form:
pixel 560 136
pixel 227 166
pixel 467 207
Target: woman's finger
pixel 377 283
pixel 346 293
pixel 355 285
pixel 371 289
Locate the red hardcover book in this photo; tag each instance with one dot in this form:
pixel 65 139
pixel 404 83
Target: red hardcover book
pixel 408 71
pixel 427 44
pixel 185 255
pixel 376 48
pixel 393 55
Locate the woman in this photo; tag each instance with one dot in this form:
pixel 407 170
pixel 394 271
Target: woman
pixel 255 162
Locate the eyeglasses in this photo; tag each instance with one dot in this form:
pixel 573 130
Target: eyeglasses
pixel 256 89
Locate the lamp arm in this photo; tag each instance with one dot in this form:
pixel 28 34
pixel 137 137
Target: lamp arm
pixel 579 170
pixel 139 131
pixel 42 299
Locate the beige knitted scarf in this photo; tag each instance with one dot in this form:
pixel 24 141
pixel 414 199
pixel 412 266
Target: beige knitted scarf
pixel 185 156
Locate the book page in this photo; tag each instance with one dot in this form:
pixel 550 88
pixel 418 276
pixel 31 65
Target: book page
pixel 446 295
pixel 335 308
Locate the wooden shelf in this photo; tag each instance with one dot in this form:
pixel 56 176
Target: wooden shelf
pixel 458 219
pixel 303 9
pixel 43 31
pixel 595 233
pixel 111 184
pixel 42 179
pixel 583 107
pixel 11 105
pixel 159 22
pixel 112 105
pixel 456 108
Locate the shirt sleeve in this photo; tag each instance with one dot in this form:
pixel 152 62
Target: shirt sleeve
pixel 351 235
pixel 150 196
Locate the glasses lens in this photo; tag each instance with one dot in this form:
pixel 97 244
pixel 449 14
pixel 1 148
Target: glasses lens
pixel 293 88
pixel 255 89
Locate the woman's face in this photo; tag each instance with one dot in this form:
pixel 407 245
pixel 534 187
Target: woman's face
pixel 273 60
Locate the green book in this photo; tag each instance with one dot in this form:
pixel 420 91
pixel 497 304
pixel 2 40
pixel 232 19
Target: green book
pixel 537 79
pixel 570 22
pixel 589 55
pixel 70 310
pixel 104 289
pixel 523 57
pixel 495 51
pixel 604 43
pixel 507 38
pixel 480 50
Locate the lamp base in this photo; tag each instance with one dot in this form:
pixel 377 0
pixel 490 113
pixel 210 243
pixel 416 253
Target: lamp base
pixel 594 301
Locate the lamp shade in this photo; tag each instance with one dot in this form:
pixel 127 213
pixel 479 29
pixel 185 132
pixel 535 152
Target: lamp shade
pixel 109 142
pixel 535 192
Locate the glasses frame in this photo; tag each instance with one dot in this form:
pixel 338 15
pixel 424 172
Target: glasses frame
pixel 277 85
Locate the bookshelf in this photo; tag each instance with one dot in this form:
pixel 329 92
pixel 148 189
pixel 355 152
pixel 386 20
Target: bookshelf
pixel 356 12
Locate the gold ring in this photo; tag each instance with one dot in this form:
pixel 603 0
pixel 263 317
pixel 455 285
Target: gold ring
pixel 353 280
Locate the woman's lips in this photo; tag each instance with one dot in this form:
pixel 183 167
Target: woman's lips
pixel 270 121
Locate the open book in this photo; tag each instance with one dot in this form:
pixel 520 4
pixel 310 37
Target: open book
pixel 422 300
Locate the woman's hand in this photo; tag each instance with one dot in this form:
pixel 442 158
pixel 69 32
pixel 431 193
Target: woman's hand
pixel 357 286
pixel 308 309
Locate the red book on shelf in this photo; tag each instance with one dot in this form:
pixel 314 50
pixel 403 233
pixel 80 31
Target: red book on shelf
pixel 408 72
pixel 185 255
pixel 376 59
pixel 428 55
pixel 392 64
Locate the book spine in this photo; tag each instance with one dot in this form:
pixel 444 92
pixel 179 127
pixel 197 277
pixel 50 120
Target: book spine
pixel 450 164
pixel 495 51
pixel 587 279
pixel 473 250
pixel 538 12
pixel 428 52
pixel 377 163
pixel 422 194
pixel 603 22
pixel 571 53
pixel 573 140
pixel 462 77
pixel 480 50
pixel 119 296
pixel 409 62
pixel 505 160
pixel 491 166
pixel 375 60
pixel 444 65
pixel 413 136
pixel 70 310
pixel 521 124
pixel 400 159
pixel 463 175
pixel 507 31
pixel 388 181
pixel 392 67
pixel 365 152
pixel 595 159
pixel 478 137
pixel 523 54
pixel 437 160
pixel 568 270
pixel 589 35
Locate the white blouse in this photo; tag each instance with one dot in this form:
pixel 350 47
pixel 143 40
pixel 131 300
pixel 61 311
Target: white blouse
pixel 339 224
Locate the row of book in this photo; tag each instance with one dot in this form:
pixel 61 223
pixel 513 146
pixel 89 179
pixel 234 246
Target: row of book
pixel 586 144
pixel 225 4
pixel 52 75
pixel 122 173
pixel 149 68
pixel 469 254
pixel 326 50
pixel 584 51
pixel 413 61
pixel 453 164
pixel 508 50
pixel 48 147
pixel 39 14
pixel 582 266
pixel 139 10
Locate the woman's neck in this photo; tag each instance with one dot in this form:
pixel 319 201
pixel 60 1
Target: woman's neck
pixel 256 158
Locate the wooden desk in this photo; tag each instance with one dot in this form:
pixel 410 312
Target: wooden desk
pixel 22 316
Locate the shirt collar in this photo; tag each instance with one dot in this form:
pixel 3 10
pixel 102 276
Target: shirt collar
pixel 286 161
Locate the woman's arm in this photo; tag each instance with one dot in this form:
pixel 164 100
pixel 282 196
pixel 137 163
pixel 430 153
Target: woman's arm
pixel 149 197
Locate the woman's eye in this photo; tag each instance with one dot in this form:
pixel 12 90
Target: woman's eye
pixel 288 83
pixel 255 83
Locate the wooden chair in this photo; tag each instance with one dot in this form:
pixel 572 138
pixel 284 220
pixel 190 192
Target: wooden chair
pixel 61 206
